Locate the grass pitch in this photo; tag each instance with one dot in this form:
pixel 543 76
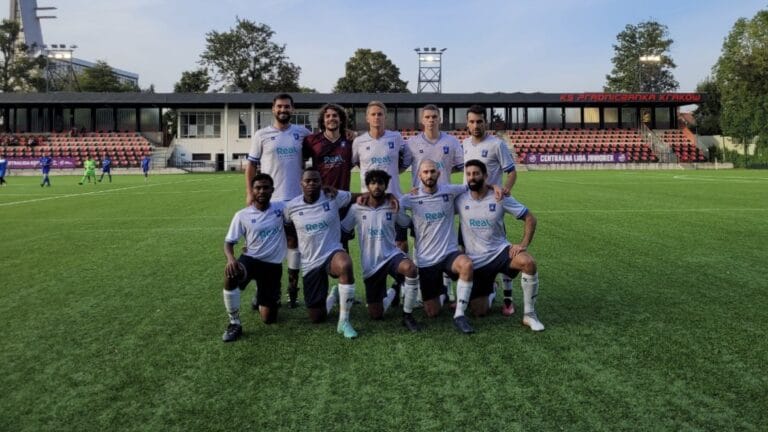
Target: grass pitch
pixel 653 291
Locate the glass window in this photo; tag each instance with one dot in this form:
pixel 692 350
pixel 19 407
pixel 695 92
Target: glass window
pixel 460 118
pixel 200 124
pixel 201 156
pixel 554 118
pixel 244 124
pixel 663 118
pixel 610 117
pixel 302 118
pixel 150 119
pixel 105 120
pixel 406 119
pixel 83 118
pixel 535 118
pixel 591 117
pixel 516 117
pixel 629 118
pixel 21 120
pixel 126 119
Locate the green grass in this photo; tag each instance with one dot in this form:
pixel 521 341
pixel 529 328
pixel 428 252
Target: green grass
pixel 653 291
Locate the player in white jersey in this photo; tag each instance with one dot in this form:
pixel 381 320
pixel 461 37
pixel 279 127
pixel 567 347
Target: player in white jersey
pixel 376 221
pixel 277 150
pixel 438 146
pixel 261 224
pixel 482 226
pixel 436 246
pixel 494 153
pixel 315 217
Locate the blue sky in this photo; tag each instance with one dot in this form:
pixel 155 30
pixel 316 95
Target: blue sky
pixel 492 46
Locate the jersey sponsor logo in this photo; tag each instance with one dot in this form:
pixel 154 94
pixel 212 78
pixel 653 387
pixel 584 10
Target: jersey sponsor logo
pixel 492 207
pixel 375 232
pixel 327 206
pixel 434 216
pixel 377 160
pixel 391 144
pixel 333 160
pixel 445 149
pixel 480 223
pixel 484 153
pixel 316 227
pixel 286 152
pixel 267 233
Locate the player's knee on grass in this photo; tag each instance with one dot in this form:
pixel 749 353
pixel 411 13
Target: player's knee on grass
pixel 479 306
pixel 376 311
pixel 317 315
pixel 268 314
pixel 432 308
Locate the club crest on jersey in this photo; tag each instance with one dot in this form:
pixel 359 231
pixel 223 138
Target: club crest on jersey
pixel 327 206
pixel 445 198
pixel 278 213
pixel 391 144
pixel 296 136
pixel 421 150
pixel 466 207
pixel 368 148
pixel 485 153
pixel 389 216
pixel 365 217
pixel 301 213
pixel 253 221
pixel 492 207
pixel 445 149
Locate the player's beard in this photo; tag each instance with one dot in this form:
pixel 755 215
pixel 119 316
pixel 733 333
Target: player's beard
pixel 283 118
pixel 476 185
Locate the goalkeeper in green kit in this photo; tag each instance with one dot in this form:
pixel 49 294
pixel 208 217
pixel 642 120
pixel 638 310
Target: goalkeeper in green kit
pixel 90 170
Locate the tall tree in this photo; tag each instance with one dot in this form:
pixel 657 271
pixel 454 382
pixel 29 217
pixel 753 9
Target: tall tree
pixel 246 57
pixel 741 73
pixel 101 78
pixel 196 81
pixel 630 73
pixel 370 72
pixel 19 71
pixel 707 114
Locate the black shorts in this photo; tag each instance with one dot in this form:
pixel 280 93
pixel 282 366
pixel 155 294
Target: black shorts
pixel 267 276
pixel 431 277
pixel 401 234
pixel 316 283
pixel 484 276
pixel 376 284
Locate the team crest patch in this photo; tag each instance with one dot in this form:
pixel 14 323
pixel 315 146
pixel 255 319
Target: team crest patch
pixel 296 136
pixel 391 144
pixel 389 216
pixel 365 217
pixel 368 148
pixel 421 202
pixel 421 150
pixel 327 206
pixel 445 149
pixel 253 221
pixel 301 213
pixel 466 207
pixel 279 213
pixel 492 207
pixel 485 153
pixel 445 198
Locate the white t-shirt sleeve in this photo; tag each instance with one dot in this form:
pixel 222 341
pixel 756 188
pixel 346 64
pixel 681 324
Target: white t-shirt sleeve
pixel 402 219
pixel 348 224
pixel 343 198
pixel 456 189
pixel 254 155
pixel 513 207
pixel 505 157
pixel 236 231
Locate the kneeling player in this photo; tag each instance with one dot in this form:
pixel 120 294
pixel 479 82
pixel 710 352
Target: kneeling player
pixel 379 255
pixel 262 226
pixel 482 227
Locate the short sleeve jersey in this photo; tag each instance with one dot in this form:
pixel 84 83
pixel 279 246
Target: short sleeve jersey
pixel 494 153
pixel 332 159
pixel 317 226
pixel 90 165
pixel 384 154
pixel 375 233
pixel 263 231
pixel 106 164
pixel 145 164
pixel 3 166
pixel 432 216
pixel 278 152
pixel 446 152
pixel 482 224
pixel 45 164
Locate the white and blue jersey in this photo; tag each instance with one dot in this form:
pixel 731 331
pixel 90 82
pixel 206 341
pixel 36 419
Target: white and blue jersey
pixel 446 152
pixel 482 224
pixel 263 232
pixel 494 153
pixel 432 216
pixel 376 233
pixel 279 154
pixel 318 227
pixel 383 153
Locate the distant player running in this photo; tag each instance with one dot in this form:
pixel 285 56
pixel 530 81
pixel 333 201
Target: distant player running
pixel 379 255
pixel 145 164
pixel 106 168
pixel 90 171
pixel 482 226
pixel 261 224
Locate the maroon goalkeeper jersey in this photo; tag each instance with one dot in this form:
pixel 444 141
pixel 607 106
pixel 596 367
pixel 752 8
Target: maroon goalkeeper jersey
pixel 332 159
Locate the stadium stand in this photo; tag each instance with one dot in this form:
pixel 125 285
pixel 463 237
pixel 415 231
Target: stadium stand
pixel 126 148
pixel 590 141
pixel 683 146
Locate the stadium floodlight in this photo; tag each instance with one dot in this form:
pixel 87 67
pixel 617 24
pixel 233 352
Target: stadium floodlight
pixel 430 69
pixel 651 58
pixel 645 59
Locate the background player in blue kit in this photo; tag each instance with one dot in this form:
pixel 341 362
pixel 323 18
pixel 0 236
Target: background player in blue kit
pixel 46 162
pixel 145 163
pixel 106 168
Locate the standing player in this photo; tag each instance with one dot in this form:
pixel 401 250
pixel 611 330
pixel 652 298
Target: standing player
pixel 436 246
pixel 261 224
pixel 315 217
pixel 90 170
pixel 3 168
pixel 494 153
pixel 145 163
pixel 45 163
pixel 330 150
pixel 379 255
pixel 482 226
pixel 106 168
pixel 277 150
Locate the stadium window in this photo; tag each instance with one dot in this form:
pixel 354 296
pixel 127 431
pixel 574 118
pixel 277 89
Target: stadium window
pixel 244 124
pixel 460 118
pixel 360 123
pixel 516 117
pixel 150 119
pixel 200 124
pixel 302 119
pixel 535 117
pixel 663 118
pixel 629 118
pixel 591 117
pixel 126 119
pixel 405 118
pixel 555 117
pixel 610 117
pixel 105 119
pixel 83 118
pixel 201 156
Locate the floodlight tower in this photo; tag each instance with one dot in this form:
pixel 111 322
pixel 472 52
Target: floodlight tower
pixel 430 70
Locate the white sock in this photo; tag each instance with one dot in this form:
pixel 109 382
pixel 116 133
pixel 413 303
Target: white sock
pixel 530 285
pixel 450 289
pixel 410 293
pixel 293 259
pixel 330 301
pixel 346 299
pixel 463 291
pixel 391 293
pixel 232 304
pixel 491 298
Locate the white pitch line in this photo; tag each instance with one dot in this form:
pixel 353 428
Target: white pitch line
pixel 94 192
